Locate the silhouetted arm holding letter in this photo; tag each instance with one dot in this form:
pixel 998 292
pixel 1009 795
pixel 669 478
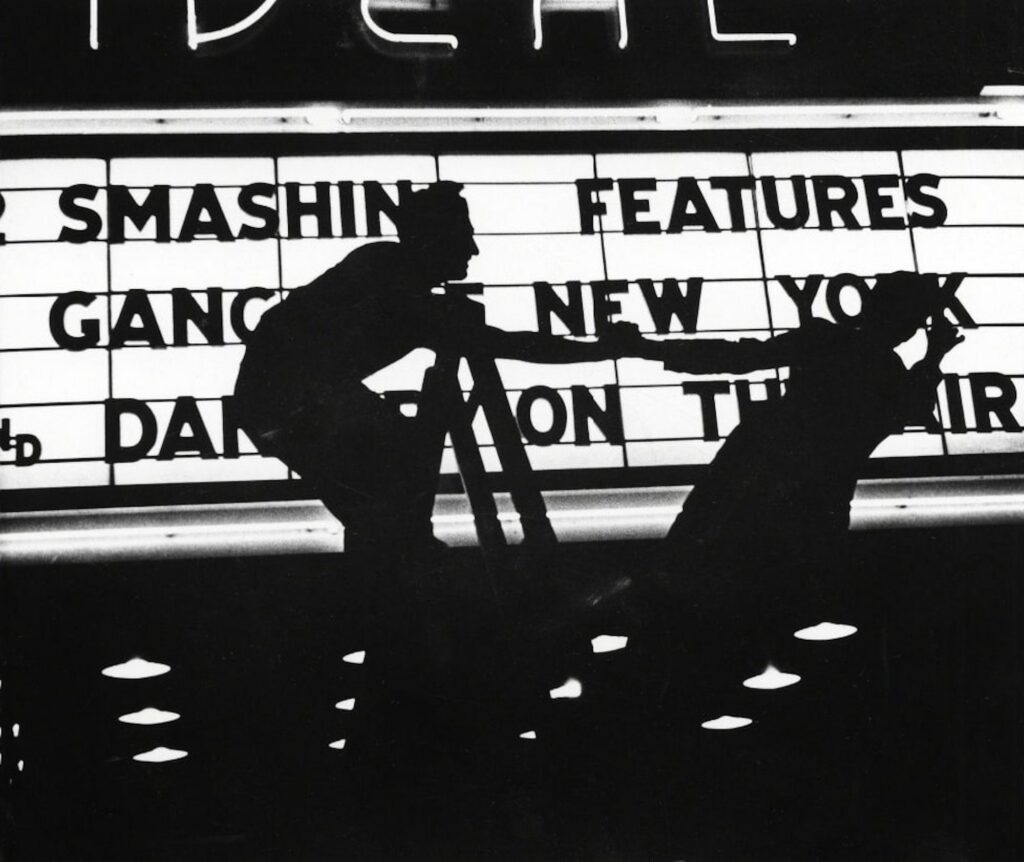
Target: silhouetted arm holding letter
pixel 457 325
pixel 706 355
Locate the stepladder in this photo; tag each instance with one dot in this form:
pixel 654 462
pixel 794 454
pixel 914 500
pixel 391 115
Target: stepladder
pixel 447 410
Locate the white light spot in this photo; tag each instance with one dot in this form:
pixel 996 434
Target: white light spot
pixel 149 715
pixel 15 730
pixel 727 722
pixel 608 643
pixel 569 689
pixel 160 755
pixel 355 657
pixel 530 734
pixel 21 766
pixel 136 668
pixel 772 678
pixel 338 744
pixel 825 632
pixel 347 705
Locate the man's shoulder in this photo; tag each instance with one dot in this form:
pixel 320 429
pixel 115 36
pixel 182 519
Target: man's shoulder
pixel 375 258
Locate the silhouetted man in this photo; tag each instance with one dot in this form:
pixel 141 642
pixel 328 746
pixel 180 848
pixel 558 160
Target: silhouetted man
pixel 778 492
pixel 300 394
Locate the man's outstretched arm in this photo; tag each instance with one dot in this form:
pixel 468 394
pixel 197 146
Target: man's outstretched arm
pixel 458 327
pixel 708 355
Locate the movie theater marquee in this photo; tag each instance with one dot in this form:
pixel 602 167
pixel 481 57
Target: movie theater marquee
pixel 129 285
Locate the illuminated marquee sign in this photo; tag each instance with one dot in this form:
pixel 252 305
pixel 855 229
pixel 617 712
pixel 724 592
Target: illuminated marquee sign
pixel 128 287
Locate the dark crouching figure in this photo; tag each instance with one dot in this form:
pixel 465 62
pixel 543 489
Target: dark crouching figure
pixel 300 393
pixel 770 516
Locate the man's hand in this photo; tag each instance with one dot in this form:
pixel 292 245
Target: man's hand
pixel 942 338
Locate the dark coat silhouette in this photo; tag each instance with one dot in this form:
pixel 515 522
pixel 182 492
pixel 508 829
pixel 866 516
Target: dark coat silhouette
pixel 300 394
pixel 772 511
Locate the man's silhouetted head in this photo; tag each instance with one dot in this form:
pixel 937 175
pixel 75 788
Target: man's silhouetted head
pixel 899 305
pixel 433 225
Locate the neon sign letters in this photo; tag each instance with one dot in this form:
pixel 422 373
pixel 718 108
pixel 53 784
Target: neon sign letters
pixel 379 35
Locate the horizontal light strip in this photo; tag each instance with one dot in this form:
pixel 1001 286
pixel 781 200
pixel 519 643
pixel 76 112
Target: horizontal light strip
pixel 1002 110
pixel 295 527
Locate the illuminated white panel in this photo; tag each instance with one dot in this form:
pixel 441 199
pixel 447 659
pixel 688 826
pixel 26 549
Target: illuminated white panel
pixel 525 168
pixel 983 202
pixel 894 206
pixel 157 266
pixel 202 372
pixel 25 321
pixel 247 469
pixel 784 308
pixel 992 349
pixel 332 169
pixel 520 375
pixel 180 200
pixel 669 166
pixel 836 162
pixel 67 431
pixel 42 475
pixel 35 216
pixel 995 442
pixel 525 259
pixel 162 306
pixel 728 305
pixel 568 457
pixel 53 267
pixel 715 255
pixel 673 452
pixel 191 171
pixel 985 403
pixel 909 444
pixel 51 173
pixel 514 308
pixel 649 372
pixel 304 260
pixel 993 300
pixel 53 376
pixel 310 225
pixel 666 413
pixel 657 207
pixel 522 208
pixel 976 250
pixel 862 252
pixel 970 163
